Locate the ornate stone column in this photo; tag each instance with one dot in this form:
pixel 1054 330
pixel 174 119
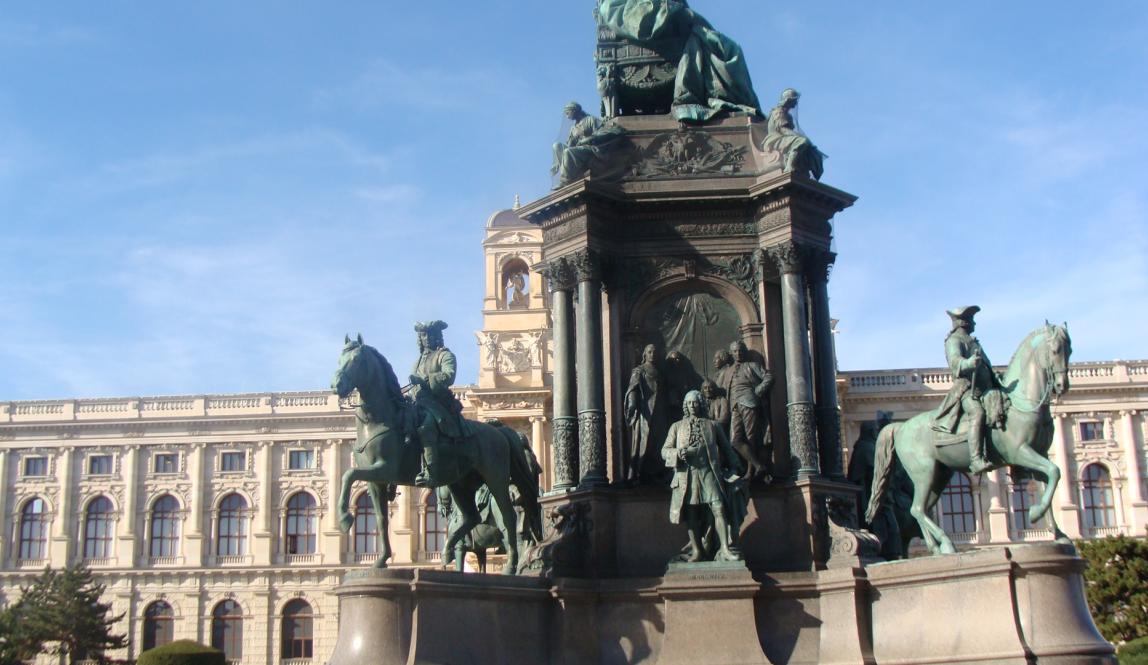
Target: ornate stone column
pixel 1138 512
pixel 6 535
pixel 559 275
pixel 825 367
pixel 591 389
pixel 791 260
pixel 1064 504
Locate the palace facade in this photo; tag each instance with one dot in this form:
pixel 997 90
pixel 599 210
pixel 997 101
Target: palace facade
pixel 211 517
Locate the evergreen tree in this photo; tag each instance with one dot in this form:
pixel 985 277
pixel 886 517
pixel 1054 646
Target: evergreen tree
pixel 62 610
pixel 1116 583
pixel 17 643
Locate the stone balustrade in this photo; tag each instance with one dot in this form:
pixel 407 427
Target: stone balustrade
pixel 938 380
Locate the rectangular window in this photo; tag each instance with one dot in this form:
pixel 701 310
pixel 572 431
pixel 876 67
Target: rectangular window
pixel 35 466
pixel 1091 431
pixel 166 463
pixel 233 461
pixel 100 465
pixel 301 459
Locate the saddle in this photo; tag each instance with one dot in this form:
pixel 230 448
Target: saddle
pixel 996 404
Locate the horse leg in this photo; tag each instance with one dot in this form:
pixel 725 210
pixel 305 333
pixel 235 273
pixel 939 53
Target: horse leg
pixel 462 496
pixel 924 497
pixel 460 556
pixel 940 481
pixel 506 519
pixel 352 476
pixel 1028 458
pixel 382 521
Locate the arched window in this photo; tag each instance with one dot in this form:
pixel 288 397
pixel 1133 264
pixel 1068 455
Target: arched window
pixel 366 526
pixel 302 524
pixel 958 512
pixel 1096 497
pixel 515 285
pixel 98 529
pixel 34 530
pixel 1022 496
pixel 434 525
pixel 227 629
pixel 297 630
pixel 165 527
pixel 231 530
pixel 158 628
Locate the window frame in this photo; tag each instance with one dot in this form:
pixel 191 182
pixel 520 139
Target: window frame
pixel 38 520
pixel 28 460
pixel 155 463
pixel 167 539
pixel 1093 487
pixel 366 526
pixel 99 529
pixel 952 506
pixel 101 457
pixel 305 516
pixel 158 625
pixel 1090 430
pixel 298 614
pixel 231 526
pixel 227 455
pixel 304 453
pixel 227 629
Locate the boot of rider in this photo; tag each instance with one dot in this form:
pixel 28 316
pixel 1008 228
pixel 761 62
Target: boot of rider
pixel 977 461
pixel 426 476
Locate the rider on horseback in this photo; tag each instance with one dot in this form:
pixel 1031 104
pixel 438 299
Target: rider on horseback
pixel 440 410
pixel 973 377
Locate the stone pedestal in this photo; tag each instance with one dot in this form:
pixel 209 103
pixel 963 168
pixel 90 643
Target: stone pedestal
pixel 1022 604
pixel 709 615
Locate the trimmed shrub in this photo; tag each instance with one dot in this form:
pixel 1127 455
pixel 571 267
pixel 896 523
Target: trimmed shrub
pixel 1134 653
pixel 182 652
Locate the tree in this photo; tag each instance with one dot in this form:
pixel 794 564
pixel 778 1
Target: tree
pixel 17 643
pixel 61 611
pixel 1116 583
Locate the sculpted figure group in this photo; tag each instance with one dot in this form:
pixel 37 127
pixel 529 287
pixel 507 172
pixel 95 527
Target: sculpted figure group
pixel 713 440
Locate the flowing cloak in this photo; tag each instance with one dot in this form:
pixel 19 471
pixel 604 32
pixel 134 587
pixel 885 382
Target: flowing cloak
pixel 647 416
pixel 712 75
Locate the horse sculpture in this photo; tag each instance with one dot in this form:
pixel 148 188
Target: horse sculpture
pixel 494 456
pixel 1037 372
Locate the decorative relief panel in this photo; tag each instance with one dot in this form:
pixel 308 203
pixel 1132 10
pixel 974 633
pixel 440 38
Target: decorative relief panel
pixel 688 152
pixel 512 352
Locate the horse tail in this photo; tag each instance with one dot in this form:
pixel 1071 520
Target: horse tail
pixel 882 469
pixel 524 473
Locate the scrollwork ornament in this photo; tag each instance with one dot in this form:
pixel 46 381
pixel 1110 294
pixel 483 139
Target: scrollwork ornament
pixel 789 257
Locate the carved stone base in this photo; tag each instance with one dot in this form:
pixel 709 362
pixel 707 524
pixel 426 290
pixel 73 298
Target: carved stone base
pixel 803 438
pixel 1022 604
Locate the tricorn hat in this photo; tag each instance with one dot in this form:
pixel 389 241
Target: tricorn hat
pixel 963 313
pixel 430 326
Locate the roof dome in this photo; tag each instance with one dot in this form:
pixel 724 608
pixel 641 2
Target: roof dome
pixel 505 219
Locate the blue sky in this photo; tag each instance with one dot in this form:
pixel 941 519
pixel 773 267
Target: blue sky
pixel 204 197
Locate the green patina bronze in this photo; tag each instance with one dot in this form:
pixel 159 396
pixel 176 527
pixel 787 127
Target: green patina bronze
pixel 711 74
pixel 386 453
pixel 706 484
pixel 1019 437
pixel 793 148
pixel 587 146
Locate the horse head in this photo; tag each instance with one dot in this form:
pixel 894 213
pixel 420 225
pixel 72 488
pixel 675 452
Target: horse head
pixel 1055 354
pixel 363 368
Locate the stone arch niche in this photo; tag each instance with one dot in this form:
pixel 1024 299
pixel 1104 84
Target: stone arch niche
pixel 693 317
pixel 514 284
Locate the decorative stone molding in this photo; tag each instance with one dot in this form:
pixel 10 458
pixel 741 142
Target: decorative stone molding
pixel 789 257
pixel 687 152
pixel 820 265
pixel 592 445
pixel 848 544
pixel 564 549
pixel 565 442
pixel 559 273
pixel 588 265
pixel 802 438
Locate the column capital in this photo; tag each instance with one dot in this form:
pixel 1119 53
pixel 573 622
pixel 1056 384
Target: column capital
pixel 789 257
pixel 559 273
pixel 819 265
pixel 588 265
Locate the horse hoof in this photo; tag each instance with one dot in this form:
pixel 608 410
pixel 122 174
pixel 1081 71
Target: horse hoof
pixel 1035 513
pixel 381 563
pixel 947 548
pixel 509 568
pixel 345 522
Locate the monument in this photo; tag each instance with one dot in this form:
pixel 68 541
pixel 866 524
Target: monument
pixel 687 251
